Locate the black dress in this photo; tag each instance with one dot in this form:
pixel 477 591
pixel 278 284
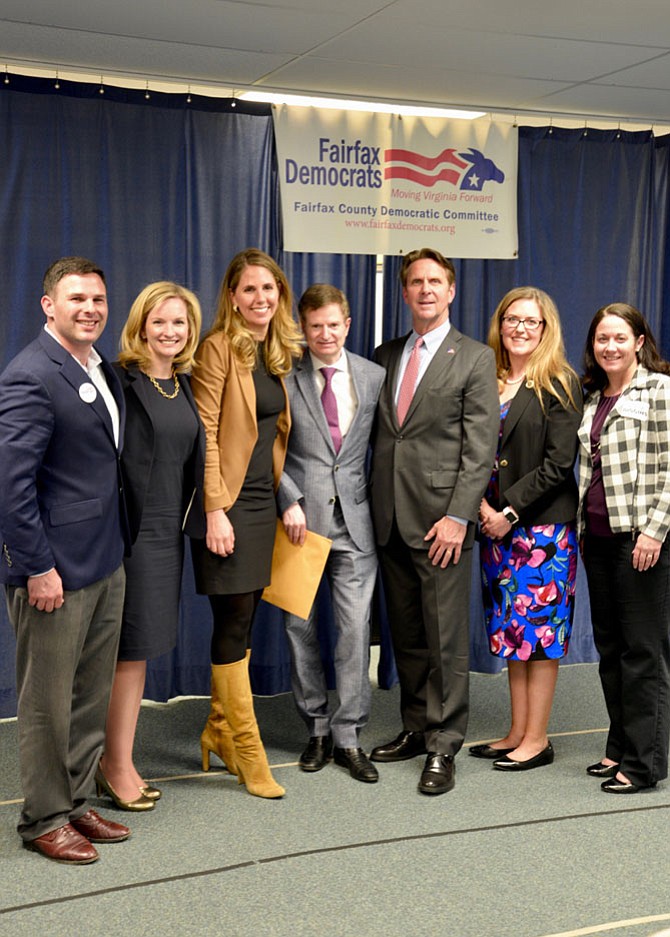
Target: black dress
pixel 153 571
pixel 254 513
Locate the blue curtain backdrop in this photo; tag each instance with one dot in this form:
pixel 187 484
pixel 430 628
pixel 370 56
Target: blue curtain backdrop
pixel 160 187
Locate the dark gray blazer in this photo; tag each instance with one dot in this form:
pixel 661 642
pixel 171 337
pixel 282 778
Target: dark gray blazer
pixel 440 461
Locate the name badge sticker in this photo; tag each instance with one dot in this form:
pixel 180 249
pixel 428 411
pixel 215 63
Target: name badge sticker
pixel 87 392
pixel 635 409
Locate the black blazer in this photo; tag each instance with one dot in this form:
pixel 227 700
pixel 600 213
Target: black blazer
pixel 138 455
pixel 537 455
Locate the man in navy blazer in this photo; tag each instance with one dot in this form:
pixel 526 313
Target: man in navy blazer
pixel 62 527
pixel 324 489
pixel 433 451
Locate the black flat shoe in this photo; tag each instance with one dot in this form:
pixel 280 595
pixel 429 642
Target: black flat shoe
pixel 599 770
pixel 612 786
pixel 486 751
pixel 545 757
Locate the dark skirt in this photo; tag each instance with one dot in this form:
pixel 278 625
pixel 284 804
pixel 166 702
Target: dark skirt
pixel 248 568
pixel 153 583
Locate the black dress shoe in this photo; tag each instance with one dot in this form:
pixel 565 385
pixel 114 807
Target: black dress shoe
pixel 406 745
pixel 613 786
pixel 318 753
pixel 545 757
pixel 438 775
pixel 485 751
pixel 359 765
pixel 599 770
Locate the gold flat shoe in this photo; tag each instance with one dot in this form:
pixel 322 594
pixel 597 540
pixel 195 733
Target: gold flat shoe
pixel 102 786
pixel 153 793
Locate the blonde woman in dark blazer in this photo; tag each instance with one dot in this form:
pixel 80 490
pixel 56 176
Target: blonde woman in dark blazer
pixel 529 543
pixel 163 464
pixel 239 389
pixel 624 519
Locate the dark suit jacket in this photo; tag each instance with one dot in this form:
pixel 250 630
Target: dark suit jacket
pixel 537 455
pixel 138 454
pixel 59 465
pixel 440 461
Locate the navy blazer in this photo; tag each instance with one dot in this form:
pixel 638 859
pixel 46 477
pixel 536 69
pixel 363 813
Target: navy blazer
pixel 61 502
pixel 137 457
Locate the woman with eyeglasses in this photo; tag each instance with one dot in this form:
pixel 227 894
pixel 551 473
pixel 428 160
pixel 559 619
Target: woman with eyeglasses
pixel 624 519
pixel 528 542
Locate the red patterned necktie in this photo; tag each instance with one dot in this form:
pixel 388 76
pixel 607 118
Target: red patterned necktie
pixel 329 404
pixel 408 385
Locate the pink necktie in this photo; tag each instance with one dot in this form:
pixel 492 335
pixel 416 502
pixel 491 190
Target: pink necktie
pixel 408 385
pixel 329 404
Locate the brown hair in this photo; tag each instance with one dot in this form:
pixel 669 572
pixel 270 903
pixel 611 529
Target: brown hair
pixel 322 294
pixel 427 253
pixel 648 356
pixel 65 267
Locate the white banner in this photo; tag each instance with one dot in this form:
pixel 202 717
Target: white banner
pixel 359 183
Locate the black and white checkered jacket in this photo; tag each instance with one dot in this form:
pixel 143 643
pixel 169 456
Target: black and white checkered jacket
pixel 634 444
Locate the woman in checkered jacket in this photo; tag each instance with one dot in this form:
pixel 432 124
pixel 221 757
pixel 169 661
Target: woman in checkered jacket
pixel 624 518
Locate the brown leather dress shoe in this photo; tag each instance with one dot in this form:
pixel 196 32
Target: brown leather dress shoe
pixel 64 845
pixel 98 830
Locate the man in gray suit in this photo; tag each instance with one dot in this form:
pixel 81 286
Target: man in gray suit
pixel 333 396
pixel 433 450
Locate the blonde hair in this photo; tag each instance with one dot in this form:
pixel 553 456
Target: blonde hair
pixel 547 364
pixel 134 348
pixel 283 341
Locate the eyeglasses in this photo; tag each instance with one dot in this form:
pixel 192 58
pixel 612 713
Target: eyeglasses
pixel 512 323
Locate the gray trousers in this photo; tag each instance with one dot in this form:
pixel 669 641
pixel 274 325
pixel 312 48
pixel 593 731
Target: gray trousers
pixel 351 576
pixel 65 663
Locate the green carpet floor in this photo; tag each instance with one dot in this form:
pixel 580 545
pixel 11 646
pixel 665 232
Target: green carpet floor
pixel 537 854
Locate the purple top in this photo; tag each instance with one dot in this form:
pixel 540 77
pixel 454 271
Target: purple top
pixel 595 506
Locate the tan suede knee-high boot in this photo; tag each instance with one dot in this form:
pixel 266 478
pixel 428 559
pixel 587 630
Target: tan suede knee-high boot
pixel 234 691
pixel 217 736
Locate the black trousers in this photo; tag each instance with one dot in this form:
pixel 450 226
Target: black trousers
pixel 429 618
pixel 630 611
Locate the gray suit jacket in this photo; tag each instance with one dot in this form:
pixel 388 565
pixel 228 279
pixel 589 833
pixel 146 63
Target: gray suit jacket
pixel 441 459
pixel 314 473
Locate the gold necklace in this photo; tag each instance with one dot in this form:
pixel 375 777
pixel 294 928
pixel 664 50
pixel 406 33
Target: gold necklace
pixel 160 389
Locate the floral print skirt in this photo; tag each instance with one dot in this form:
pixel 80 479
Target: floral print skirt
pixel 528 586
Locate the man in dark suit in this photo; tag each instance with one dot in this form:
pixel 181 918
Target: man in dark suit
pixel 333 396
pixel 433 450
pixel 61 423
